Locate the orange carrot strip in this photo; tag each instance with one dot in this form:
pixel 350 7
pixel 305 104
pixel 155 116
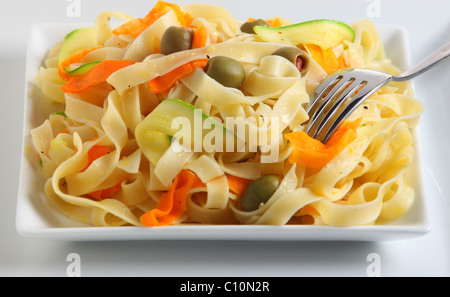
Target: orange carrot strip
pixel 75 58
pixel 63 131
pixel 98 74
pixel 96 152
pixel 307 209
pixel 342 131
pixel 105 193
pixel 184 18
pixel 200 37
pixel 342 63
pixel 172 204
pixel 93 154
pixel 237 185
pixel 197 183
pixel 326 58
pixel 313 153
pixel 96 94
pixel 275 22
pixel 163 83
pixel 136 26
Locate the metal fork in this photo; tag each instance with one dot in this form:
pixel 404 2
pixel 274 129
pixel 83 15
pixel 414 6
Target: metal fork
pixel 338 96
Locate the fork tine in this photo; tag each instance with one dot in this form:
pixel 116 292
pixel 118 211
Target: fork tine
pixel 322 89
pixel 331 108
pixel 335 88
pixel 330 125
pixel 338 96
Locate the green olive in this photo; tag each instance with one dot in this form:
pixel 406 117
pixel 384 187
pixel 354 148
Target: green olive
pixel 226 71
pixel 176 39
pixel 259 191
pixel 247 27
pixel 295 55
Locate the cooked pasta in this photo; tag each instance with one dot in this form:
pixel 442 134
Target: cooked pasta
pixel 110 158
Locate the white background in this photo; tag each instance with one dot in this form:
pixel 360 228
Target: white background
pixel 428 25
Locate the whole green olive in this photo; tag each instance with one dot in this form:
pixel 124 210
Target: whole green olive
pixel 226 71
pixel 176 39
pixel 247 27
pixel 295 55
pixel 259 191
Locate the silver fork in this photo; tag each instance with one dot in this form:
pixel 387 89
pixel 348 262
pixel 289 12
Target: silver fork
pixel 338 96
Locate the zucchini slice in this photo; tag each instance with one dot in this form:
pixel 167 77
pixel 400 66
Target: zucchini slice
pixel 176 120
pixel 76 41
pixel 324 33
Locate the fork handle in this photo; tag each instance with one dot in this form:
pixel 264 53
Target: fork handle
pixel 432 60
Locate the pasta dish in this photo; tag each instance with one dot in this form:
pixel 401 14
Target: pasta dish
pixel 188 115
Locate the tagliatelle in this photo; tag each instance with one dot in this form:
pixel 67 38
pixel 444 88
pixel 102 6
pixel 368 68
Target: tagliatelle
pixel 95 163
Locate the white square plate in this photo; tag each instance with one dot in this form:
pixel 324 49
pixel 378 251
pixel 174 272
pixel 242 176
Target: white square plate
pixel 37 218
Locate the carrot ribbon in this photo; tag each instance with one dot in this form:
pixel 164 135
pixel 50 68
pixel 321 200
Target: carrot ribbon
pixel 136 26
pixel 273 22
pixel 96 152
pixel 313 153
pixel 237 185
pixel 172 204
pixel 93 154
pixel 326 58
pixel 200 37
pixel 75 58
pixel 105 193
pixel 164 82
pixel 98 74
